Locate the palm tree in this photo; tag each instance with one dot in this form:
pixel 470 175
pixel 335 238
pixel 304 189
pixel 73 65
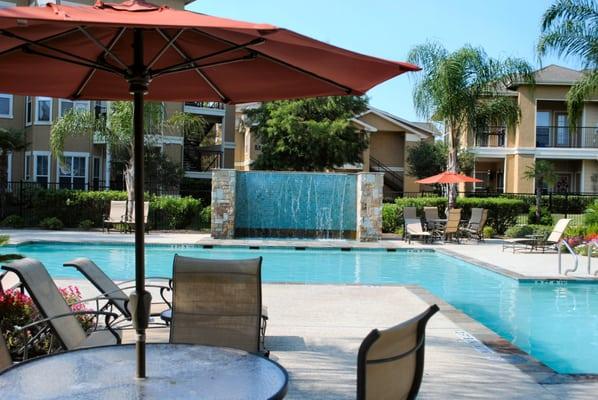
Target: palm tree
pixel 464 91
pixel 542 172
pixel 570 29
pixel 10 140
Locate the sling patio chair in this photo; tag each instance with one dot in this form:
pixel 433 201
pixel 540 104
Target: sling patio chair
pixel 390 363
pixel 116 216
pixel 475 227
pixel 409 213
pixel 113 293
pixel 5 359
pixel 57 315
pixel 431 218
pixel 450 230
pixel 413 228
pixel 218 303
pixel 131 217
pixel 543 243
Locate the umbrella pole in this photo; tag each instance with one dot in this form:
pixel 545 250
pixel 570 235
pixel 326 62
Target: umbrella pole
pixel 140 299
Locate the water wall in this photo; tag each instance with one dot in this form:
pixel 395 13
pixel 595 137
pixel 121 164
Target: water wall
pixel 295 205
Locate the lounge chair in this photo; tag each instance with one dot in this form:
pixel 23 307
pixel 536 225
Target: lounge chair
pixel 5 359
pixel 431 214
pixel 56 313
pixel 451 228
pixel 131 219
pixel 217 303
pixel 476 224
pixel 390 363
pixel 113 293
pixel 117 215
pixel 544 243
pixel 413 228
pixel 409 213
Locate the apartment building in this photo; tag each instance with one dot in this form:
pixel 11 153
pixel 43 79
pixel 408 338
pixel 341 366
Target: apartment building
pixel 390 138
pixel 502 155
pixel 88 161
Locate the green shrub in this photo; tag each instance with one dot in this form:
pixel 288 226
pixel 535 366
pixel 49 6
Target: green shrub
pixel 51 223
pixel 521 231
pixel 13 221
pixel 488 232
pixel 390 218
pixel 419 203
pixel 545 216
pixel 205 218
pixel 172 212
pixel 591 214
pixel 86 224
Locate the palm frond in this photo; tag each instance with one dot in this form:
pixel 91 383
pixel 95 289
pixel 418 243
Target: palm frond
pixel 583 89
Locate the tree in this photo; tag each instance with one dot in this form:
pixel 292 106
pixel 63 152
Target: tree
pixel 10 140
pixel 309 134
pixel 542 172
pixel 570 29
pixel 462 90
pixel 426 159
pixel 117 130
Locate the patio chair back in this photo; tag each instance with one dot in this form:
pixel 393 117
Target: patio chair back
pixel 483 220
pixel 557 233
pixel 102 282
pixel 145 212
pixel 390 363
pixel 118 211
pixel 452 223
pixel 476 218
pixel 409 213
pixel 431 213
pixel 5 359
pixel 413 226
pixel 48 300
pixel 217 302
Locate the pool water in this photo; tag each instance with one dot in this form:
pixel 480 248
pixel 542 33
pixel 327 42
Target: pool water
pixel 556 323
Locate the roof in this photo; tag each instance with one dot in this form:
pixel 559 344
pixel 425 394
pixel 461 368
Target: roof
pixel 421 128
pixel 554 75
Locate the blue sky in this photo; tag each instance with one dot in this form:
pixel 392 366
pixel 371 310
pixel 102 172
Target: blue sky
pixel 390 28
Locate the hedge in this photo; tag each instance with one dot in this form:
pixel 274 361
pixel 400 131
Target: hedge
pixel 73 207
pixel 502 212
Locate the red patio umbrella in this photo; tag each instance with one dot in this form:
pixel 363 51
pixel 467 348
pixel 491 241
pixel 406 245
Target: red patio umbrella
pixel 133 50
pixel 447 177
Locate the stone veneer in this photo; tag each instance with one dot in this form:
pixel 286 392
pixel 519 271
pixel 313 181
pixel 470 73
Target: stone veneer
pixel 223 203
pixel 369 206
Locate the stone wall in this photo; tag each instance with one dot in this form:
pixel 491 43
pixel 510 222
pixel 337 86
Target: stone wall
pixel 224 182
pixel 369 206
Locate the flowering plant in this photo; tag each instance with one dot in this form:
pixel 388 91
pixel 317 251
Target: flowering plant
pixel 72 296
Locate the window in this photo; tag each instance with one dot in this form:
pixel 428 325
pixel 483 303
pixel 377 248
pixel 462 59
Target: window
pixel 42 169
pixel 97 169
pixel 101 109
pixel 71 172
pixel 28 110
pixel 543 128
pixel 5 105
pixel 66 105
pixel 28 167
pixel 43 110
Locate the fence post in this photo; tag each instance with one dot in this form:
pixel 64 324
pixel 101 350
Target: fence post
pixel 566 204
pixel 550 202
pixel 21 198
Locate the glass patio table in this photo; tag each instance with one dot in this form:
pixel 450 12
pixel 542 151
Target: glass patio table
pixel 175 371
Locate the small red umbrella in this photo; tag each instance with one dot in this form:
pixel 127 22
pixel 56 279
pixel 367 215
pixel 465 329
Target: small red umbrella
pixel 447 177
pixel 137 50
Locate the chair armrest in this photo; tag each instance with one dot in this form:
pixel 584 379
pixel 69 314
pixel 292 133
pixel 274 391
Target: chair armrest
pixel 74 313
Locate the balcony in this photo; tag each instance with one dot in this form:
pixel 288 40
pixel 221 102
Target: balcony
pixel 564 137
pixel 205 108
pixel 200 163
pixel 493 136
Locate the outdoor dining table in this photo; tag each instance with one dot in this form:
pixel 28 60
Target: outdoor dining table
pixel 175 371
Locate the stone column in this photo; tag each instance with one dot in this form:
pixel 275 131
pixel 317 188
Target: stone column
pixel 223 203
pixel 369 206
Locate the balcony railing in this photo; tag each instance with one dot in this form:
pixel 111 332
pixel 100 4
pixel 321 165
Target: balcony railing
pixel 563 136
pixel 206 104
pixel 493 136
pixel 202 160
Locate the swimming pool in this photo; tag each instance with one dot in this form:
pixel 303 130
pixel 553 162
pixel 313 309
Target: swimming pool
pixel 556 323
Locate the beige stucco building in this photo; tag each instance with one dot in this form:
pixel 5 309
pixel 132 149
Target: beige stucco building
pixel 88 161
pixel 389 140
pixel 543 133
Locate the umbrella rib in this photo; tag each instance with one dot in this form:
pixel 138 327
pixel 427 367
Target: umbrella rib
pixel 106 50
pixel 91 73
pixel 88 64
pixel 248 57
pixel 184 56
pixel 82 60
pixel 56 36
pixel 187 64
pixel 165 48
pixel 346 89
